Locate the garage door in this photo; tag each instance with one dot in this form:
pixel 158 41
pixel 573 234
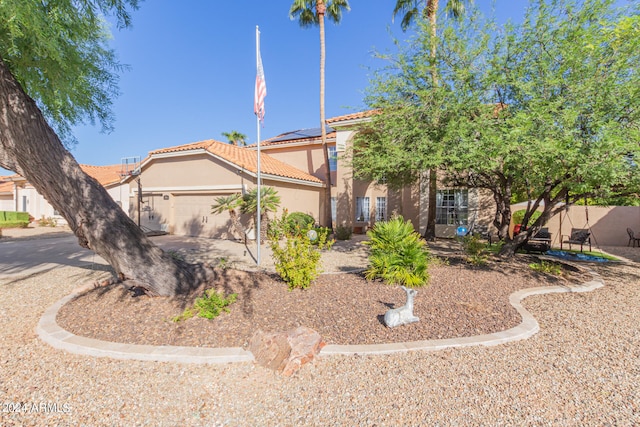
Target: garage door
pixel 193 217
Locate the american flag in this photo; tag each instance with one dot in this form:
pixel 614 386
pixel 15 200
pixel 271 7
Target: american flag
pixel 261 91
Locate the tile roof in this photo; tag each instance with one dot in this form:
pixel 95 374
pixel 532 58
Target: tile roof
pixel 353 116
pixel 105 175
pixel 5 185
pixel 242 157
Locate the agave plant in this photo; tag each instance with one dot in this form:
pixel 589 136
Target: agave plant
pixel 398 254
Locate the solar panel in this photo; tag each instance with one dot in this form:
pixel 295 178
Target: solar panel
pixel 301 134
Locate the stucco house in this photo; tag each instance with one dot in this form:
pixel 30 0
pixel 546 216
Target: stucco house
pixel 17 194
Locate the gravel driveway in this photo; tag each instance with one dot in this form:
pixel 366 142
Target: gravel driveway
pixel 582 368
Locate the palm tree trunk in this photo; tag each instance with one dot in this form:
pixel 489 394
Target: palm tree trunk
pixel 29 147
pixel 320 9
pixel 430 233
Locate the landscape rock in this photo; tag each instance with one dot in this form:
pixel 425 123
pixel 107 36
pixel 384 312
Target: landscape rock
pixel 286 352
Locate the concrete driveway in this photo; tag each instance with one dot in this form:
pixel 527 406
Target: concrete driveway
pixel 22 257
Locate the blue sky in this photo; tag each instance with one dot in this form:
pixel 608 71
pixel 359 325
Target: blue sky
pixel 192 71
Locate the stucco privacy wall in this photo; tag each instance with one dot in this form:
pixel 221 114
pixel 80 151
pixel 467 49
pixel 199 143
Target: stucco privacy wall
pixel 608 224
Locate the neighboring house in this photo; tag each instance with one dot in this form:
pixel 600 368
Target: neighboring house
pixel 7 202
pixel 178 186
pixel 17 194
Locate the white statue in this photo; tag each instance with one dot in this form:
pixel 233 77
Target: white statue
pixel 402 315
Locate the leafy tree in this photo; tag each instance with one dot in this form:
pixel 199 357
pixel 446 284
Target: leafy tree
pixel 428 9
pixel 547 109
pixel 236 138
pixel 310 13
pixel 56 53
pixel 269 202
pixel 230 203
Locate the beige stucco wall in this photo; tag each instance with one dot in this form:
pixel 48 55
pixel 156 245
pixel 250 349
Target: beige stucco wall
pixel 403 202
pixel 188 172
pixel 308 158
pixel 7 203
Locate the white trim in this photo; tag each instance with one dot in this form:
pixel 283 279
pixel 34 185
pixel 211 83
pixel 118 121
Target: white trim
pixel 290 180
pixel 281 144
pixel 349 122
pixel 194 188
pixel 180 153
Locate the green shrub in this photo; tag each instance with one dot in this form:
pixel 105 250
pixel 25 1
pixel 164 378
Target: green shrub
pixel 297 262
pixel 398 255
pixel 323 235
pixel 209 306
pixel 477 251
pixel 297 222
pixel 543 266
pixel 10 219
pixel 14 224
pixel 343 232
pixel 518 216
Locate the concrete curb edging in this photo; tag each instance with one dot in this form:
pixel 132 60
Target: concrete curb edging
pixel 527 328
pixel 49 332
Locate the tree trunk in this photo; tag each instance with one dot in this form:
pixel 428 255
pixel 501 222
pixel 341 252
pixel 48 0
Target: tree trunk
pixel 29 147
pixel 320 9
pixel 237 231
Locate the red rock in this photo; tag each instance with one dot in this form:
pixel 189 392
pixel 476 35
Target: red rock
pixel 286 352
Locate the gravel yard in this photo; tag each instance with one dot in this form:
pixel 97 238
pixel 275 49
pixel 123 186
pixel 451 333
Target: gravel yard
pixel 582 368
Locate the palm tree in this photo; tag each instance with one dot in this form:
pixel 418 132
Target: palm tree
pixel 235 138
pixel 269 202
pixel 310 13
pixel 230 203
pixel 410 9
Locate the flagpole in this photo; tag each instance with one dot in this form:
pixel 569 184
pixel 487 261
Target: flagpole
pixel 258 132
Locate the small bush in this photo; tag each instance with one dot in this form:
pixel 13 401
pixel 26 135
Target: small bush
pixel 399 255
pixel 10 219
pixel 323 235
pixel 297 222
pixel 47 222
pixel 14 224
pixel 477 251
pixel 543 266
pixel 209 306
pixel 298 261
pixel 343 232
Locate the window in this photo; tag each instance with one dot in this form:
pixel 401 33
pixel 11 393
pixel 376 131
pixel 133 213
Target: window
pixel 452 207
pixel 334 209
pixel 333 159
pixel 381 208
pixel 362 209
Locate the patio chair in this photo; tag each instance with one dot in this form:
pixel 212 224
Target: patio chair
pixel 578 236
pixel 540 242
pixel 632 238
